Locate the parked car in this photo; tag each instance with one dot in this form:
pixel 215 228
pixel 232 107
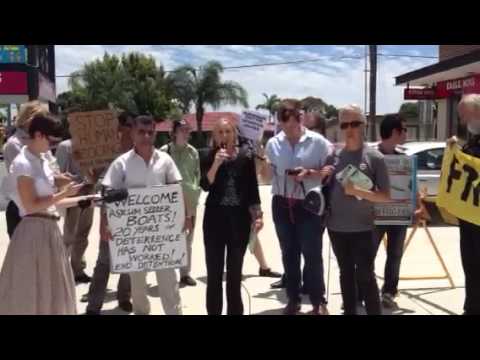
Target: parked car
pixel 429 163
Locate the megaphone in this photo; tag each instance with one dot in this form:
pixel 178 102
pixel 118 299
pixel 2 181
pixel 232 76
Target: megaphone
pixel 314 201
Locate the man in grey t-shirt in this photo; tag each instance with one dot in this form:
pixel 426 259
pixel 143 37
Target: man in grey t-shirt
pixel 351 218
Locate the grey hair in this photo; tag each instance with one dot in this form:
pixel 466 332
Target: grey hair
pixel 471 100
pixel 352 109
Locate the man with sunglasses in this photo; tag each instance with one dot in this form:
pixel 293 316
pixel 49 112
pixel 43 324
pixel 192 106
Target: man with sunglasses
pixel 297 159
pixel 393 132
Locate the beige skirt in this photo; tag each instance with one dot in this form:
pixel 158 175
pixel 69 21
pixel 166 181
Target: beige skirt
pixel 36 276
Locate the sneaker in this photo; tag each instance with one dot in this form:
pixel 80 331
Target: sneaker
pixel 126 306
pixel 187 281
pixel 388 301
pixel 82 279
pixel 84 298
pixel 280 284
pixel 319 310
pixel 269 273
pixel 292 308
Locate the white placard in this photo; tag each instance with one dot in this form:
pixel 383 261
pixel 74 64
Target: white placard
pixel 147 230
pixel 252 125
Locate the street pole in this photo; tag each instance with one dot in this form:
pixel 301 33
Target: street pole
pixel 373 92
pixel 365 74
pixel 9 115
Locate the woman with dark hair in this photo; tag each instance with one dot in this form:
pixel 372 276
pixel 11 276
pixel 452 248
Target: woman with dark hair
pixel 232 210
pixel 36 277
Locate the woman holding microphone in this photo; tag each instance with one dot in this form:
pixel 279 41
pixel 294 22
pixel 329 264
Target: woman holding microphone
pixel 232 210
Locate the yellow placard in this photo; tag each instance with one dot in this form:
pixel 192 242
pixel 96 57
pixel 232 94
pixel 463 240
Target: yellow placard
pixel 459 191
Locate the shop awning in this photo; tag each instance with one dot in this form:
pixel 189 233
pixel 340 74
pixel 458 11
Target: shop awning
pixel 457 67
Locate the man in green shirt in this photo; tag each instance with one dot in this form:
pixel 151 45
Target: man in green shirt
pixel 187 160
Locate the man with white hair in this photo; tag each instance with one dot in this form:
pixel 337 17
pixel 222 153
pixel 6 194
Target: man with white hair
pixel 469 111
pixel 350 221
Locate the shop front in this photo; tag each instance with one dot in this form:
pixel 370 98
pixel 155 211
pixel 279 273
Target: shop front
pixel 445 83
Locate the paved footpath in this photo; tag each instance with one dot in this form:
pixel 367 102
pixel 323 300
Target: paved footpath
pixel 433 297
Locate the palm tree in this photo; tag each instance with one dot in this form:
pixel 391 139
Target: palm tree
pixel 271 104
pixel 202 87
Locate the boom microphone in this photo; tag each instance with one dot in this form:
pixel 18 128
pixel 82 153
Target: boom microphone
pixel 108 197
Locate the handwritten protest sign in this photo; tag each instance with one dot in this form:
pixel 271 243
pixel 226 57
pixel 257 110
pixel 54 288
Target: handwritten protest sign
pixel 251 125
pixel 402 171
pixel 147 230
pixel 459 191
pixel 95 142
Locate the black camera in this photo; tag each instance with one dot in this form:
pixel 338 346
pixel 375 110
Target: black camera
pixel 292 172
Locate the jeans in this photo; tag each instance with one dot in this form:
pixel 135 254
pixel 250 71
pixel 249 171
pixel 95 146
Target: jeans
pixel 395 244
pixel 225 228
pixel 355 253
pixel 13 218
pixel 299 234
pixel 470 252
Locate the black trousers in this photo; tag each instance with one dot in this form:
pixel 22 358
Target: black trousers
pixel 355 253
pixel 13 218
pixel 225 228
pixel 470 252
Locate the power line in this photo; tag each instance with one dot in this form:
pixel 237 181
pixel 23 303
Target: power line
pixel 293 62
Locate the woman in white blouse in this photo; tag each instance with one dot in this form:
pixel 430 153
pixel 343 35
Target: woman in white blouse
pixel 36 277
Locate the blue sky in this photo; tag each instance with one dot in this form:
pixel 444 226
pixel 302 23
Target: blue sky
pixel 336 78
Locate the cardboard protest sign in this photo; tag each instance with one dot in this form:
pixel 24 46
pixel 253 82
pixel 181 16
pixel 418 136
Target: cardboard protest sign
pixel 95 142
pixel 251 125
pixel 147 230
pixel 402 172
pixel 459 191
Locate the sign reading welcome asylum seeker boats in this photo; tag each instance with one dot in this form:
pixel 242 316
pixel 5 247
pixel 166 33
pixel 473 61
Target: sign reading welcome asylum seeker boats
pixel 402 171
pixel 459 191
pixel 147 230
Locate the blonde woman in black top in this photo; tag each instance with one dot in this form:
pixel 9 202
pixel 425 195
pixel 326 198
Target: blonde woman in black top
pixel 232 210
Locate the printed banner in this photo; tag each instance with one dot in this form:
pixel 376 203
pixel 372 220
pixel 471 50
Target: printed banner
pixel 251 125
pixel 459 191
pixel 402 172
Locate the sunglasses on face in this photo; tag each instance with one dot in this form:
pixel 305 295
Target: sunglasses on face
pixel 286 114
pixel 353 125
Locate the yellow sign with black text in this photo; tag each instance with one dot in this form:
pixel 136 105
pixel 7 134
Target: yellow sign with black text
pixel 459 191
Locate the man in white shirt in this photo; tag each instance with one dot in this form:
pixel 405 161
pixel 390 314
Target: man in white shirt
pixel 144 167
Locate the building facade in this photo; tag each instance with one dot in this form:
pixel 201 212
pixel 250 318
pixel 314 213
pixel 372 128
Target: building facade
pixel 456 73
pixel 27 72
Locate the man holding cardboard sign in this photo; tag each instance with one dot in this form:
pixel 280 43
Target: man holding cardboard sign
pixel 460 194
pixel 146 167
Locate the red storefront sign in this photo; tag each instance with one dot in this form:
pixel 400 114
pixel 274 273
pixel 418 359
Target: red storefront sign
pixel 419 94
pixel 467 85
pixel 13 83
